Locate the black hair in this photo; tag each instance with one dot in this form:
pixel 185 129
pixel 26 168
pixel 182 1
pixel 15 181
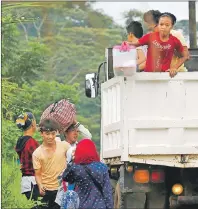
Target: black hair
pixel 72 127
pixel 48 125
pixel 24 121
pixel 154 14
pixel 172 16
pixel 135 28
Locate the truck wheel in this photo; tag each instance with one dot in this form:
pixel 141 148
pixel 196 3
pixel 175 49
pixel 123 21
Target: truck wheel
pixel 113 184
pixel 128 199
pixel 118 197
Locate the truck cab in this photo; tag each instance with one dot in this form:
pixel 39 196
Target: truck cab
pixel 149 135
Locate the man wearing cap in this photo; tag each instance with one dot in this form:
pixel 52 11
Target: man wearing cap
pixel 25 146
pixel 71 136
pixel 49 160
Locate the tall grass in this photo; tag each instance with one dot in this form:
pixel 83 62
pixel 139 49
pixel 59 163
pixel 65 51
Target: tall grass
pixel 11 196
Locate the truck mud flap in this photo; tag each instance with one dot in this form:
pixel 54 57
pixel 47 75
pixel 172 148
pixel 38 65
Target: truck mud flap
pixel 134 200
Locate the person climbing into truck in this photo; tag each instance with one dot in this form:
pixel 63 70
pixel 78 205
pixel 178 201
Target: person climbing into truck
pixel 134 29
pixel 25 146
pixel 161 47
pixel 151 20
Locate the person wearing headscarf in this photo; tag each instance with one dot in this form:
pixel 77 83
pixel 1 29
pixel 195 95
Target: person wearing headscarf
pixel 25 146
pixel 91 177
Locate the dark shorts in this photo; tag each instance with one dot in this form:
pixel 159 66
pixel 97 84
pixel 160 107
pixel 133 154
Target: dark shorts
pixel 49 199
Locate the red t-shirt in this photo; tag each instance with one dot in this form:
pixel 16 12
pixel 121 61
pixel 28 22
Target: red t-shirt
pixel 159 54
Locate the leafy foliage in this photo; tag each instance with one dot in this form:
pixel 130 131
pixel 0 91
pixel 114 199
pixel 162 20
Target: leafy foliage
pixel 37 97
pixel 11 196
pixel 22 61
pixel 184 26
pixel 134 15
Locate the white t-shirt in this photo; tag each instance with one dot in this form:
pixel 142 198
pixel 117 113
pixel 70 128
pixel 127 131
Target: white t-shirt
pixel 69 152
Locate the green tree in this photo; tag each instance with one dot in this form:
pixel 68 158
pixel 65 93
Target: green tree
pixel 9 106
pixel 184 26
pixel 43 93
pixel 21 61
pixel 134 15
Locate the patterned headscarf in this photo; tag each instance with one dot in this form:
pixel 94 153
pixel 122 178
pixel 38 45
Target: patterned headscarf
pixel 24 121
pixel 86 152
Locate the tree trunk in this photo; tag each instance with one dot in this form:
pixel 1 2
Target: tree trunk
pixel 192 24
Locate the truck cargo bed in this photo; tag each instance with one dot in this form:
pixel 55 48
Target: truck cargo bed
pixel 150 114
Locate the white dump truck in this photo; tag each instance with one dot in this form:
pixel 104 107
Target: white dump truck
pixel 149 136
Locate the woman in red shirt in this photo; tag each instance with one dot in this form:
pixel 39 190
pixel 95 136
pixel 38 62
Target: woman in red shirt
pixel 161 47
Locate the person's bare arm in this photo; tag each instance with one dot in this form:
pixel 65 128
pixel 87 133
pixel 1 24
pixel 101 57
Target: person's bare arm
pixel 140 56
pixel 83 131
pixel 39 182
pixel 174 69
pixel 184 57
pixel 142 66
pixel 135 42
pixel 186 50
pixel 37 168
pixel 181 38
pixel 144 40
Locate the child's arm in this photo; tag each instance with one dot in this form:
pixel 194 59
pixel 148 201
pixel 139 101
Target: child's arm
pixel 140 56
pixel 39 182
pixel 184 56
pixel 140 42
pixel 135 42
pixel 181 38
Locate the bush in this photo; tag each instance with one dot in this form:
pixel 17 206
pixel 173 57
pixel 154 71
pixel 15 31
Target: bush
pixel 11 194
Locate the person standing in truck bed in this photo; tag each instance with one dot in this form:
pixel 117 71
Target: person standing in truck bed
pixel 161 47
pixel 151 20
pixel 134 29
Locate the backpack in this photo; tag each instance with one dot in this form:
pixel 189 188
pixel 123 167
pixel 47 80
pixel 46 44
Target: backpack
pixel 63 112
pixel 70 199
